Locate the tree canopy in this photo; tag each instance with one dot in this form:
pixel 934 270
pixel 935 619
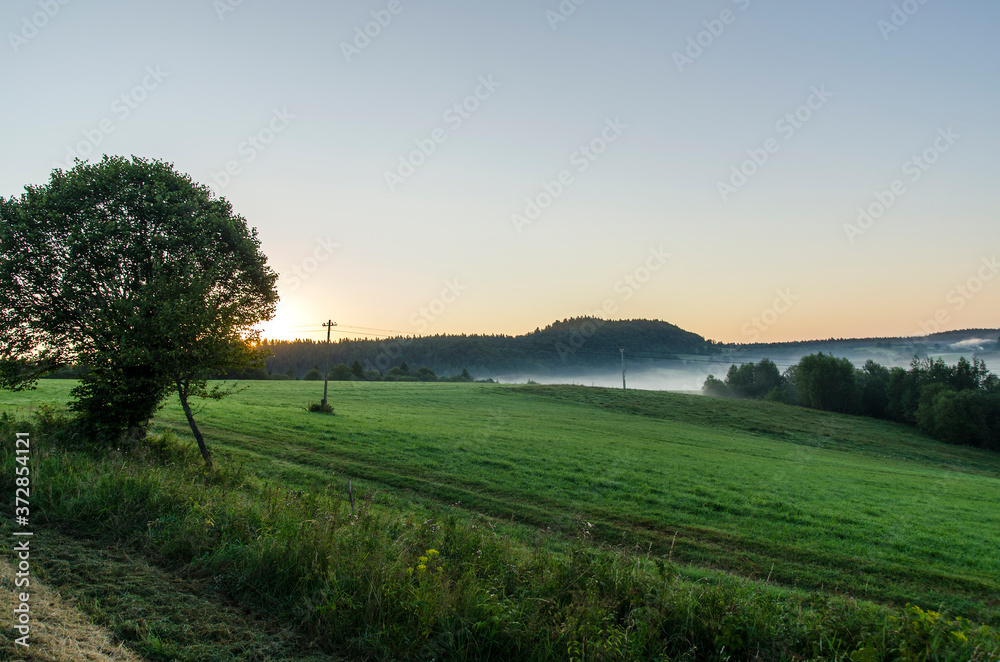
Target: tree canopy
pixel 958 404
pixel 136 272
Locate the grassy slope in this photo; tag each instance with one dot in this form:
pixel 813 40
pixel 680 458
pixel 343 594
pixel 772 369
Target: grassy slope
pixel 753 488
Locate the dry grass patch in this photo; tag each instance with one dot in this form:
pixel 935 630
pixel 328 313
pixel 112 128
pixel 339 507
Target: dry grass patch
pixel 60 632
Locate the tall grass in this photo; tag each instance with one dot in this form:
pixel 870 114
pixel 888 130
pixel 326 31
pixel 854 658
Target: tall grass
pixel 385 584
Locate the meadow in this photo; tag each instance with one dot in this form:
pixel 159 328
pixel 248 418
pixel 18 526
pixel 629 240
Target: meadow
pixel 805 502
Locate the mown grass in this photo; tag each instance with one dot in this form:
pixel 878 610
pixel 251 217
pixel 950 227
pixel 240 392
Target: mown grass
pixel 556 458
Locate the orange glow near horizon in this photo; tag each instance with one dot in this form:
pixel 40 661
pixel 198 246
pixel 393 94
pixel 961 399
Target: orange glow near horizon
pixel 292 326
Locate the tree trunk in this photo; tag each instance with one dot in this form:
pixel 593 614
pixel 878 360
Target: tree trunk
pixel 182 393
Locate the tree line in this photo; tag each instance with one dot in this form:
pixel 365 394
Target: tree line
pixel 355 372
pixel 574 343
pixel 957 404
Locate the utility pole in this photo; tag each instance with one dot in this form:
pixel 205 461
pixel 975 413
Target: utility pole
pixel 329 324
pixel 622 350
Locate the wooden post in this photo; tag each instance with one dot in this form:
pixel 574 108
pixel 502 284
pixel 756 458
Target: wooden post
pixel 329 324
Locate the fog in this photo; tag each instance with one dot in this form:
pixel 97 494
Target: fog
pixel 689 375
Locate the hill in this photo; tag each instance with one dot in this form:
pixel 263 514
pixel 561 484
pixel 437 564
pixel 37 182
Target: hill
pixel 583 343
pixel 658 355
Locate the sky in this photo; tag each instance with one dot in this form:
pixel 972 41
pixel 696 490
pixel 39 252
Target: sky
pixel 746 170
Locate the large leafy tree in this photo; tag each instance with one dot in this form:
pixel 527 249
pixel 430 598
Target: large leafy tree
pixel 133 270
pixel 826 382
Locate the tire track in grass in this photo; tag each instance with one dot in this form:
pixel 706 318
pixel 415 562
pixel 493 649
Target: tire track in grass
pixel 788 565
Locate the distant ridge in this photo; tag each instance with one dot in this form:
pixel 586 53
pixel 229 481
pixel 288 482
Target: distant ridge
pixel 580 344
pixel 563 346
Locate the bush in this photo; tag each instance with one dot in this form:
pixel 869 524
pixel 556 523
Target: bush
pixel 112 402
pixel 341 373
pixel 426 375
pixel 715 388
pixel 320 408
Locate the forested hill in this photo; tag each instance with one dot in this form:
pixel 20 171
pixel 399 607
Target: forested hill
pixel 565 346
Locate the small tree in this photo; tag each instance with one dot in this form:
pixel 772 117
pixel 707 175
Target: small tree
pixel 341 373
pixel 425 374
pixel 715 387
pixel 133 270
pixel 826 382
pixel 358 370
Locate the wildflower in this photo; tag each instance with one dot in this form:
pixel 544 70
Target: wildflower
pixel 423 559
pixel 440 569
pixel 409 571
pixel 959 636
pixel 421 568
pixel 433 552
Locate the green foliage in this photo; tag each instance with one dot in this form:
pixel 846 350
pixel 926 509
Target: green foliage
pixel 968 417
pixel 341 373
pixel 426 375
pixel 357 370
pixel 133 270
pixel 873 385
pixel 115 400
pixel 751 380
pixel 715 387
pixel 313 375
pixel 825 382
pixel 320 408
pixel 564 345
pixel 957 404
pixel 401 373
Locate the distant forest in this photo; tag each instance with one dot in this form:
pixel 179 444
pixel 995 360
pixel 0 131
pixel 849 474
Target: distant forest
pixel 577 343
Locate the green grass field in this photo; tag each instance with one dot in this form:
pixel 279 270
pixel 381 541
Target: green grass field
pixel 812 500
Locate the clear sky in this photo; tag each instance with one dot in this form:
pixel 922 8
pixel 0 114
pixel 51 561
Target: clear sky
pixel 490 167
